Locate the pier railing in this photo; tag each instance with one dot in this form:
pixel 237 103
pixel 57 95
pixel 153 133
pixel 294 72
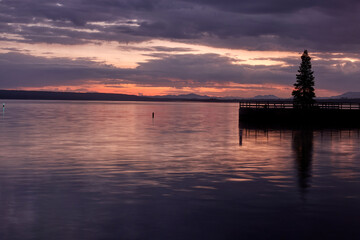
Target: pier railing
pixel 290 104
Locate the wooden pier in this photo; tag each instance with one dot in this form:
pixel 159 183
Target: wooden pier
pixel 290 105
pixel 284 113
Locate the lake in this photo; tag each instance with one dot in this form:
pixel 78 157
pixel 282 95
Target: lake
pixel 107 170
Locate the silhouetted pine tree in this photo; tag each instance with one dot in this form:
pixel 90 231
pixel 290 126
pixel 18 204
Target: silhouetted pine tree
pixel 304 91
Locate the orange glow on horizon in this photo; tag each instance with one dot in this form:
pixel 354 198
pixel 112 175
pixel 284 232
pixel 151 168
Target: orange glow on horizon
pixel 230 90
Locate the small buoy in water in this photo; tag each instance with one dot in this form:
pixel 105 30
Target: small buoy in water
pixel 153 115
pixel 3 106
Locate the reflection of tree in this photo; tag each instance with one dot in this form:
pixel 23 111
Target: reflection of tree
pixel 303 151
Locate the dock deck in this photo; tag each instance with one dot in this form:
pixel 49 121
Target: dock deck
pixel 281 113
pixel 290 105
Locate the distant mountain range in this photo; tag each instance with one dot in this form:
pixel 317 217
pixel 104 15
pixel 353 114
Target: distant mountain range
pixel 196 96
pixel 265 97
pixel 349 95
pixel 185 96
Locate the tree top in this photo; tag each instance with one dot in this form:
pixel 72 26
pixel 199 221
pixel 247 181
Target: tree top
pixel 305 54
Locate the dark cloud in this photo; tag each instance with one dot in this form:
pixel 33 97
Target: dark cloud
pixel 319 25
pixel 202 69
pixel 340 75
pixel 20 70
pixel 156 49
pixel 172 49
pixel 275 6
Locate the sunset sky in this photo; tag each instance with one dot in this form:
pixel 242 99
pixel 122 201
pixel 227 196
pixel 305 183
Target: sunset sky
pixel 159 47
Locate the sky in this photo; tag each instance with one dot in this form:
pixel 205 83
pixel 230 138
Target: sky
pixel 226 48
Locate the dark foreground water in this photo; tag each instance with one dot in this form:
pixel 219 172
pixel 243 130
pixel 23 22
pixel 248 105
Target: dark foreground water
pixel 107 170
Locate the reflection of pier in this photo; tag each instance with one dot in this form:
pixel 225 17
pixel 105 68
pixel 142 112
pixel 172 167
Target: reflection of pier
pixel 300 145
pixel 278 134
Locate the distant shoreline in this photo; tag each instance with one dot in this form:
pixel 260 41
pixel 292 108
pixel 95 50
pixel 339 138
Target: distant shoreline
pixel 73 96
pixel 48 95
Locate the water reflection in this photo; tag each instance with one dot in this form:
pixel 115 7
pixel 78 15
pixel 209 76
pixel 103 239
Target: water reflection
pixel 106 170
pixel 240 136
pixel 302 146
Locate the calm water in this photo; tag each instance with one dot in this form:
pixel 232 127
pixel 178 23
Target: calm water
pixel 107 170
